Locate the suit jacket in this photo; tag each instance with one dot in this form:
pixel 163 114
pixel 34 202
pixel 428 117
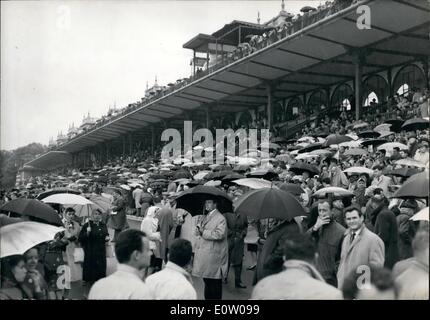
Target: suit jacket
pixel 211 248
pixel 367 249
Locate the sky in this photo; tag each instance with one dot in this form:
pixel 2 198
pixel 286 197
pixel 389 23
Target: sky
pixel 63 59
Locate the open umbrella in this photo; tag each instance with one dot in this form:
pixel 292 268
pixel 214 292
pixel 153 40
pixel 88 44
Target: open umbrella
pixel 193 200
pixel 269 203
pixel 320 152
pixel 388 147
pixel 33 208
pixel 382 128
pixel 263 174
pixel 218 175
pixel 416 186
pixel 360 125
pixel 402 172
pixel 201 175
pixel 67 198
pixel 415 124
pixel 299 168
pixel 253 183
pixel 396 124
pixel 241 168
pixel 292 188
pixel 373 142
pixel 369 134
pixel 359 170
pixel 335 191
pixel 409 162
pixel 232 176
pixel 18 237
pixel 422 215
pixel 311 147
pixel 55 191
pixel 386 134
pixel 283 157
pixel 355 152
pixel 182 181
pixel 335 139
pixel 304 156
pixel 213 183
pixel 181 174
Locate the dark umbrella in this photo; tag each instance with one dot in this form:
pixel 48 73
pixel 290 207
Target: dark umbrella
pixel 369 134
pixel 55 191
pixel 311 147
pixel 241 168
pixel 223 167
pixel 396 124
pixel 269 203
pixel 263 174
pixel 373 142
pixel 292 188
pixel 33 208
pixel 156 176
pixel 355 152
pixel 182 174
pixel 307 9
pixel 232 176
pixel 402 172
pixel 415 124
pixel 335 139
pixel 301 167
pixel 218 175
pixel 193 200
pixel 416 186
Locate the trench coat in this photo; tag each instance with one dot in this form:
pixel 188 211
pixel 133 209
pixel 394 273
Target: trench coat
pixel 237 227
pixel 211 248
pixel 367 249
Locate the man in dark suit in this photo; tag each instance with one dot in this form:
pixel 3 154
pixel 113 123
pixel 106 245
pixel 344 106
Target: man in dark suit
pixel 328 235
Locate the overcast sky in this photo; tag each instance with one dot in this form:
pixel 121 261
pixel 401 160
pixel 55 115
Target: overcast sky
pixel 63 59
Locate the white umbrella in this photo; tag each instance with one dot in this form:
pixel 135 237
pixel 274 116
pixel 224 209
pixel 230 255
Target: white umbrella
pixel 421 215
pixel 213 183
pixel 304 156
pixel 359 170
pixel 352 136
pixel 351 144
pixel 409 162
pixel 18 237
pixel 253 183
pixel 306 139
pixel 384 127
pixel 336 191
pixel 66 198
pixel 201 175
pixel 391 145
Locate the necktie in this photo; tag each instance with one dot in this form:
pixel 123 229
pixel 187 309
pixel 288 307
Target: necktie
pixel 352 237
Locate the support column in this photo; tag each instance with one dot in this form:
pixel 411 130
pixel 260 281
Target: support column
pixel 130 140
pixel 269 89
pixel 123 145
pixel 194 63
pixel 359 60
pixel 152 139
pixel 390 90
pixel 107 151
pixel 208 116
pixel 426 72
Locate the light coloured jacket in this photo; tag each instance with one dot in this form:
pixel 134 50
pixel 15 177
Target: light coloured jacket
pixel 413 283
pixel 367 249
pixel 211 248
pixel 149 225
pixel 299 281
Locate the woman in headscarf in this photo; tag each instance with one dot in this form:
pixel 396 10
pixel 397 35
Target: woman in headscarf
pixel 150 227
pixel 93 238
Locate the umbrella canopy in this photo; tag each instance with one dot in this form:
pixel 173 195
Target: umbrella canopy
pixel 213 183
pixel 409 162
pixel 382 128
pixel 182 181
pixel 388 147
pixel 201 175
pixel 263 174
pixel 193 200
pixel 386 134
pixel 292 188
pixel 55 191
pixel 396 124
pixel 18 237
pixel 335 191
pixel 415 124
pixel 355 152
pixel 402 172
pixel 373 142
pixel 311 147
pixel 218 175
pixel 241 168
pixel 232 176
pixel 67 198
pixel 253 183
pixel 360 125
pixel 306 139
pixel 320 152
pixel 299 168
pixel 422 215
pixel 181 174
pixel 416 186
pixel 33 208
pixel 369 134
pixel 283 157
pixel 304 156
pixel 359 170
pixel 336 139
pixel 269 203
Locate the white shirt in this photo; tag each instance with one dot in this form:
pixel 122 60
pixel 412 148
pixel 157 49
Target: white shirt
pixel 124 284
pixel 171 283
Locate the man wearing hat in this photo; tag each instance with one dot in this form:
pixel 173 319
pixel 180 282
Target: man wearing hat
pixel 422 154
pixel 383 223
pixel 118 220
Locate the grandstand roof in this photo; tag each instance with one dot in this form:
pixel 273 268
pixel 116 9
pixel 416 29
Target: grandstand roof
pixel 49 160
pixel 316 56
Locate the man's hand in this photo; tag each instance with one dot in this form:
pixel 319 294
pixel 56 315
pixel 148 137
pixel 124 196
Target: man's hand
pixel 320 222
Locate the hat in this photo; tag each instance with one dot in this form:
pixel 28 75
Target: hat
pixel 378 195
pixel 409 203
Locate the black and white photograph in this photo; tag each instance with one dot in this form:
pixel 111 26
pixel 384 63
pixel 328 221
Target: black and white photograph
pixel 214 150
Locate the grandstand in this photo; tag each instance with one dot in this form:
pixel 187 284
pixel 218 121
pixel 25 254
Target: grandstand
pixel 289 73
